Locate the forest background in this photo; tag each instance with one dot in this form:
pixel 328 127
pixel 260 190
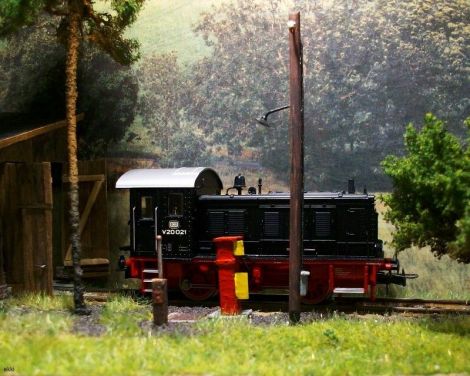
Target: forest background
pixel 209 68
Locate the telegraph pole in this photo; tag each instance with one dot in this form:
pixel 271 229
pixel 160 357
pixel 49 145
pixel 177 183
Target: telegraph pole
pixel 296 135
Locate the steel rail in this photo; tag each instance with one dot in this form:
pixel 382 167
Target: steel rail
pixel 338 304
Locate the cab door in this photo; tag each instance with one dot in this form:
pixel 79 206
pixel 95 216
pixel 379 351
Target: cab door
pixel 144 217
pixel 161 212
pixel 176 223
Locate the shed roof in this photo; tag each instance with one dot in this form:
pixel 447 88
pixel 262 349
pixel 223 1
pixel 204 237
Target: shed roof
pixel 20 127
pixel 184 177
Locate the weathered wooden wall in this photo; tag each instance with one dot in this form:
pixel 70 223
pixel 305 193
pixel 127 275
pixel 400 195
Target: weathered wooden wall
pixel 2 267
pixel 50 147
pixel 26 225
pixel 26 207
pixel 93 218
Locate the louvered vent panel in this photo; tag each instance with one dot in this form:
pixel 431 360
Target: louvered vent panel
pixel 216 223
pixel 322 224
pixel 271 225
pixel 236 222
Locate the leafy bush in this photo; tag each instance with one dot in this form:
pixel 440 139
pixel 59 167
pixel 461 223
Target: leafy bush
pixel 430 204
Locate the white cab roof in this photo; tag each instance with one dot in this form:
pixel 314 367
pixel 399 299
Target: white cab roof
pixel 184 177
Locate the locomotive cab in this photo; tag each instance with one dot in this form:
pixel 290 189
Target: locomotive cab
pixel 162 202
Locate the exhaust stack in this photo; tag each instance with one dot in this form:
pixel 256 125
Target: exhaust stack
pixel 351 187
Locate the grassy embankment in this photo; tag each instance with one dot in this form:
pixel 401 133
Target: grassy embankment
pixel 36 337
pixel 167 26
pixel 438 278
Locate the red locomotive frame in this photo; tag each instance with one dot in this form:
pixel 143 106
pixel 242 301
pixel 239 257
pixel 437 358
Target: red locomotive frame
pixel 198 279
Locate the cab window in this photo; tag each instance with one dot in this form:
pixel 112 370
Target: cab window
pixel 175 204
pixel 146 206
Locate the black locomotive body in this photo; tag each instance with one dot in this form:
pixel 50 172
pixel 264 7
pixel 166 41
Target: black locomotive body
pixel 341 249
pixel 334 225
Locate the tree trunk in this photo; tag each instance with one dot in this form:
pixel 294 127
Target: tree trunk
pixel 73 42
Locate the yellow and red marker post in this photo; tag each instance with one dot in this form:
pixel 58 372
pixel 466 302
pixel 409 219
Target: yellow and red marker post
pixel 233 285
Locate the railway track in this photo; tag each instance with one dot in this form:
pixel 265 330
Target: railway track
pixel 401 305
pixel 353 305
pixel 362 306
pixel 365 306
pixel 339 304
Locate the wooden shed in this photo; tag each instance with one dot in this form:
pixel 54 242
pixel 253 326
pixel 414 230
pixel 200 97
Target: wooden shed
pixel 33 206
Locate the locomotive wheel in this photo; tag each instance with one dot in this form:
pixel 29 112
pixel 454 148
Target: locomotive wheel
pixel 318 293
pixel 198 288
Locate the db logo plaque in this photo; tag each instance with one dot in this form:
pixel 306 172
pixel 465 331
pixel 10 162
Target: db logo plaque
pixel 174 229
pixel 173 225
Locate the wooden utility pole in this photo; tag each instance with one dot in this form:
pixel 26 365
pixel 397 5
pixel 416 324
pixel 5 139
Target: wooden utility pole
pixel 296 135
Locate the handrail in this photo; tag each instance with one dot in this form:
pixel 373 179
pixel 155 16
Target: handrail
pixel 133 228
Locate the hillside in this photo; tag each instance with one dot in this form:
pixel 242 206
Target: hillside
pixel 166 26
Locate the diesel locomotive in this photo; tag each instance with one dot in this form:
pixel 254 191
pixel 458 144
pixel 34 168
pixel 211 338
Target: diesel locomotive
pixel 188 208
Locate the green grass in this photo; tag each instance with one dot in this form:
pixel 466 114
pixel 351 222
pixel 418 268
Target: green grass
pixel 166 26
pixel 39 302
pixel 117 312
pixel 438 279
pixel 40 342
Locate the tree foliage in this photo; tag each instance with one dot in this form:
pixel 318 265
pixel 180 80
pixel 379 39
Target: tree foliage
pixel 108 96
pixel 430 203
pixel 370 67
pixel 33 66
pixel 176 139
pixel 103 28
pixel 187 147
pixel 245 75
pixel 161 86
